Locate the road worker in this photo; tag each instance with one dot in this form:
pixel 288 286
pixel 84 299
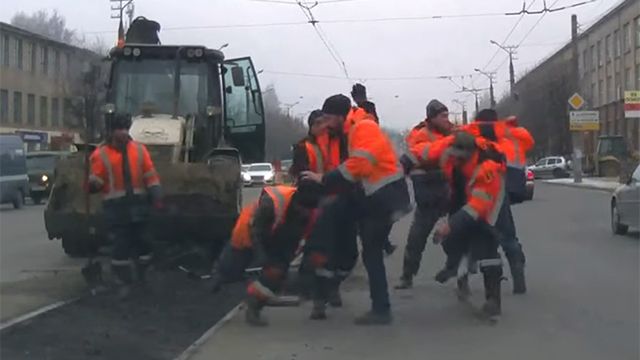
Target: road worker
pixel 515 142
pixel 475 169
pixel 267 234
pixel 372 164
pixel 430 187
pixel 122 170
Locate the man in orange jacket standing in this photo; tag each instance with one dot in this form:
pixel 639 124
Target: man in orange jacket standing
pixel 430 188
pixel 373 164
pixel 122 170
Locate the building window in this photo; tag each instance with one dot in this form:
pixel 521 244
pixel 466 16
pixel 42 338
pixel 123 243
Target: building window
pixel 637 76
pixel 31 109
pixel 628 79
pixel 55 112
pixel 34 58
pixel 626 37
pixel 66 112
pixel 44 59
pixel 601 97
pixel 5 50
pixel 616 43
pixel 17 107
pixel 594 94
pixel 4 106
pixel 56 63
pixel 44 111
pixel 19 53
pixel 600 53
pixel 594 60
pixel 609 89
pixel 638 32
pixel 609 47
pixel 617 85
pixel 585 61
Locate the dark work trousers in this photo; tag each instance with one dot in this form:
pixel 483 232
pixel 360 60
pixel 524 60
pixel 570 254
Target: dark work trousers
pixel 374 231
pixel 130 241
pixel 508 237
pixel 334 236
pixel 432 198
pixel 477 239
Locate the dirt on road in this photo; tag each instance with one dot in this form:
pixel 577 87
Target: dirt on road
pixel 156 322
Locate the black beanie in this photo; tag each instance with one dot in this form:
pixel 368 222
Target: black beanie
pixel 487 115
pixel 315 114
pixel 337 105
pixel 434 108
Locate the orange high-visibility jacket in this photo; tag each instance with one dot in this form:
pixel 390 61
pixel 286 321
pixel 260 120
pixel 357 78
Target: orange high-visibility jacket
pixel 515 141
pixel 485 178
pixel 324 153
pixel 280 196
pixel 372 159
pixel 421 134
pixel 106 170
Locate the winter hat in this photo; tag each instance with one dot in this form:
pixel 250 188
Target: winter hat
pixel 434 108
pixel 337 105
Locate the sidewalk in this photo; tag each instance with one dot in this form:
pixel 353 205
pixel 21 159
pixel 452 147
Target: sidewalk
pixel 607 184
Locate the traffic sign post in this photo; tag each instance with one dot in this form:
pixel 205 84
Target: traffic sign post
pixel 578 121
pixel 584 120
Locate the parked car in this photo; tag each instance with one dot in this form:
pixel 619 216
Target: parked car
pixel 14 182
pixel 261 173
pixel 530 184
pixel 40 167
pixel 625 205
pixel 246 178
pixel 285 166
pixel 552 166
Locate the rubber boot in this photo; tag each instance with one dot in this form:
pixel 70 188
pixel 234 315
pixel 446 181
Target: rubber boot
pixel 406 282
pixel 492 307
pixel 123 280
pixel 335 299
pixel 445 274
pixel 516 266
pixel 463 292
pixel 374 318
pixel 319 310
pixel 252 315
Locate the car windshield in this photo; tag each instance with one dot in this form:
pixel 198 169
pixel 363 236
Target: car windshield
pixel 41 162
pixel 260 167
pixel 541 162
pixel 149 85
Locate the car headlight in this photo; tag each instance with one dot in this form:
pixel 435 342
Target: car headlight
pixel 44 178
pixel 246 177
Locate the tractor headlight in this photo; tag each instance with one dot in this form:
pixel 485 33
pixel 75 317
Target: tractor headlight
pixel 136 52
pixel 44 178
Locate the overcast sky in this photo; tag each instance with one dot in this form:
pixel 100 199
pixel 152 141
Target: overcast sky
pixel 377 52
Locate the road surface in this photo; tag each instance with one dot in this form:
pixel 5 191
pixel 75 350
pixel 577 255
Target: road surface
pixel 583 301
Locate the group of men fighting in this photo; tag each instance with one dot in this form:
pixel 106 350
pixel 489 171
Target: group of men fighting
pixel 350 182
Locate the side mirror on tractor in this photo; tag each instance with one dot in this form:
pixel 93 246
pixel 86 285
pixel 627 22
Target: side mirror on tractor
pixel 237 74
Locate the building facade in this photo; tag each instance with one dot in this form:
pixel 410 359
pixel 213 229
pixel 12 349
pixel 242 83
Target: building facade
pixel 608 64
pixel 40 85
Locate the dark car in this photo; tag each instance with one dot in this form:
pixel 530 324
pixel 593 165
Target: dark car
pixel 14 184
pixel 41 166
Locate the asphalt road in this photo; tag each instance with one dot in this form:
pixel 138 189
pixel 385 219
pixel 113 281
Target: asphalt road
pixel 583 301
pixel 25 249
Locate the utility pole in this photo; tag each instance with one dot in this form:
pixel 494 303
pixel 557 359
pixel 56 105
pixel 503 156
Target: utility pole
pixel 117 13
pixel 510 50
pixel 490 76
pixel 464 110
pixel 576 136
pixel 475 92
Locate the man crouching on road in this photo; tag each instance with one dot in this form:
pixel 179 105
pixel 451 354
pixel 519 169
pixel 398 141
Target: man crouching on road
pixel 267 234
pixel 122 170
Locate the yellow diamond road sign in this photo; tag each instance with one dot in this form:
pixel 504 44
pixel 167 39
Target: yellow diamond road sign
pixel 576 101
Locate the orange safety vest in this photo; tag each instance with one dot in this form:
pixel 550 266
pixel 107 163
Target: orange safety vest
pixel 106 170
pixel 515 141
pixel 281 197
pixel 421 134
pixel 372 159
pixel 356 114
pixel 324 153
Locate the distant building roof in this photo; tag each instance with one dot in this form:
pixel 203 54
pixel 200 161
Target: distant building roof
pixel 20 31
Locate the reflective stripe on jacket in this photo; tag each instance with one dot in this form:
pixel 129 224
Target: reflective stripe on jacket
pixel 323 154
pixel 281 198
pixel 107 170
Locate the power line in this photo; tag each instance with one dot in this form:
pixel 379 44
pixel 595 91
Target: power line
pixel 204 27
pixel 392 78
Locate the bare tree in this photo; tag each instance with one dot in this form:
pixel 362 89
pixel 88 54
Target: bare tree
pixel 53 26
pixel 282 130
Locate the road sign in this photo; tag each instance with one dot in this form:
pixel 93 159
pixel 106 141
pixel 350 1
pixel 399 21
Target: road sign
pixel 632 104
pixel 584 120
pixel 576 101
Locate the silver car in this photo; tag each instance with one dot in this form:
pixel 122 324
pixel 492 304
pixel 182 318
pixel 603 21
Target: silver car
pixel 625 205
pixel 552 166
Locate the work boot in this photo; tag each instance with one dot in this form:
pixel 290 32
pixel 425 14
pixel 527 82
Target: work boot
pixel 406 282
pixel 374 318
pixel 492 307
pixel 463 292
pixel 335 299
pixel 445 274
pixel 252 315
pixel 517 275
pixel 319 310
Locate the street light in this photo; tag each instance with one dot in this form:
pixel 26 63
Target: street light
pixel 509 50
pixel 490 76
pixel 223 46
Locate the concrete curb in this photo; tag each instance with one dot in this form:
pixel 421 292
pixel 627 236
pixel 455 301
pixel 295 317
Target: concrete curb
pixel 581 186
